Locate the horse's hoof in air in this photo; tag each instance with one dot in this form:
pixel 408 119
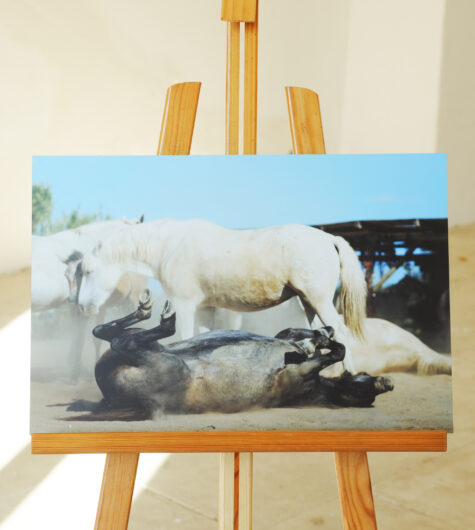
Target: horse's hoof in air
pixel 145 303
pixel 167 310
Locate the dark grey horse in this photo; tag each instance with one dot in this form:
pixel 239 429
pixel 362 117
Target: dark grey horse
pixel 224 371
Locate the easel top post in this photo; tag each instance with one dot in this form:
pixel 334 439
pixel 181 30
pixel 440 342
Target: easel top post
pixel 239 10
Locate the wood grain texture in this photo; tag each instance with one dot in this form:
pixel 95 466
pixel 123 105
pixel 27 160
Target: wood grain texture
pixel 245 491
pixel 116 491
pixel 229 475
pixel 178 120
pixel 232 88
pixel 250 86
pixel 236 491
pixel 239 10
pixel 237 441
pixel 226 507
pixel 305 121
pixel 354 482
pixel 354 485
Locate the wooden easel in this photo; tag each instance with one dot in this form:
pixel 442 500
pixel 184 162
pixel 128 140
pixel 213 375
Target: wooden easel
pixel 236 448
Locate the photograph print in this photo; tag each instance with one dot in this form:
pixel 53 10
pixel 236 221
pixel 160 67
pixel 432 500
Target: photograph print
pixel 240 293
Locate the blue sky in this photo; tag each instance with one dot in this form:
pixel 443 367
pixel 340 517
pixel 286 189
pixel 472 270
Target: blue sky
pixel 249 191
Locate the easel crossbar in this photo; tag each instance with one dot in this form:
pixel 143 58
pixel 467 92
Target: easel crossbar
pixel 230 441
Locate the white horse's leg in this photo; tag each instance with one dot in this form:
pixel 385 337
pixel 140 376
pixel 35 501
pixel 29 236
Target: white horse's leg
pixel 185 318
pixel 327 315
pixel 233 320
pixel 78 336
pixel 101 319
pixel 204 319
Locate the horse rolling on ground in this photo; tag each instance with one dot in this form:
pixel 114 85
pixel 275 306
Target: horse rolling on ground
pixel 200 264
pixel 224 371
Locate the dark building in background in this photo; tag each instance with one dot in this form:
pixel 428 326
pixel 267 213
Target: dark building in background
pixel 419 300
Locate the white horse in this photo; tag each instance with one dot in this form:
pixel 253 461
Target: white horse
pixel 51 287
pixel 387 347
pixel 200 264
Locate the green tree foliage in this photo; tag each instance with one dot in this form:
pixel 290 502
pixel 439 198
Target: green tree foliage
pixel 41 214
pixel 42 205
pixel 75 219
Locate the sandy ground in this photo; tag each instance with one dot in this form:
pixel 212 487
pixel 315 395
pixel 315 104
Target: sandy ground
pixel 417 402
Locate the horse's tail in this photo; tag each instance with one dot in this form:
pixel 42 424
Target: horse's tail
pixel 353 287
pixel 100 411
pixel 129 414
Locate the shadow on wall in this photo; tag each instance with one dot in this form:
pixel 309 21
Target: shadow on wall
pixel 456 128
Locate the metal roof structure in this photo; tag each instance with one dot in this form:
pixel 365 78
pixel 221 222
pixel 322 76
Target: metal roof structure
pixel 414 239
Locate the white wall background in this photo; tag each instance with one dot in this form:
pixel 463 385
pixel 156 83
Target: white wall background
pixel 90 77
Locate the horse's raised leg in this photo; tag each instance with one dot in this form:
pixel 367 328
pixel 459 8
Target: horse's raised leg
pixel 336 354
pixel 137 341
pixel 113 329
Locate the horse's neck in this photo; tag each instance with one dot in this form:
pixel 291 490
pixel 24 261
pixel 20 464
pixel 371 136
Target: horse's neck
pixel 142 248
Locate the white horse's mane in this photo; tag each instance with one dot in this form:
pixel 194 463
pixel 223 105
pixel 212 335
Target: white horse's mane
pixel 84 229
pixel 132 242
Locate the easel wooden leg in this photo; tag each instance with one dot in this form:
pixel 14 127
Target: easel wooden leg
pixel 235 491
pixel 236 468
pixel 120 469
pixel 356 497
pixel 245 491
pixel 352 467
pixel 116 491
pixel 226 515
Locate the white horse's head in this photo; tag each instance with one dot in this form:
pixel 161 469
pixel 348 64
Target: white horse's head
pixel 97 283
pixel 73 274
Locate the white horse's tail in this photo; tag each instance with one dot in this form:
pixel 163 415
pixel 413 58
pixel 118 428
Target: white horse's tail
pixel 353 287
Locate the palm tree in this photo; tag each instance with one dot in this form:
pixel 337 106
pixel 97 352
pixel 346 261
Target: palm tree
pixel 42 204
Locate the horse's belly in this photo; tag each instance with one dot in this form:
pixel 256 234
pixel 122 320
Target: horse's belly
pixel 246 293
pixel 235 378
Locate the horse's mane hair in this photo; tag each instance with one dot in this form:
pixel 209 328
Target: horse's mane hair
pixel 84 229
pixel 75 255
pixel 130 242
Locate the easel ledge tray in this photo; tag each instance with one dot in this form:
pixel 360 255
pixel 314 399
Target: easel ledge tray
pixel 237 441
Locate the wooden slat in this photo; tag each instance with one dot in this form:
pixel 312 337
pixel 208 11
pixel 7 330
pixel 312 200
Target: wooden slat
pixel 232 88
pixel 120 468
pixel 354 481
pixel 116 491
pixel 179 119
pixel 354 485
pixel 237 441
pixel 239 10
pixel 226 505
pixel 229 475
pixel 305 121
pixel 245 491
pixel 250 87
